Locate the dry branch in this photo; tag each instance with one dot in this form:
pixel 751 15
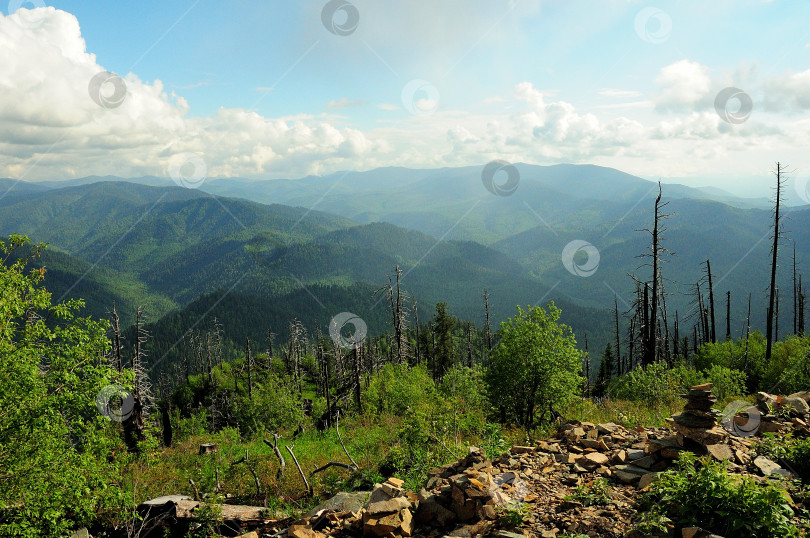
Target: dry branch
pixel 300 471
pixel 274 446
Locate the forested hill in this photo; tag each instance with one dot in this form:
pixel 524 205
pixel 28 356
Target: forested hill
pixel 196 257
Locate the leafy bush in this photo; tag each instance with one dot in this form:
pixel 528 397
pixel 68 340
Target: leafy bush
pixel 536 366
pixel 514 515
pixel 701 493
pixel 653 384
pixel 727 382
pixel 56 465
pixel 790 365
pixel 396 388
pixel 796 452
pixel 465 391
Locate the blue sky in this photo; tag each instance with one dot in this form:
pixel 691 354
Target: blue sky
pixel 530 81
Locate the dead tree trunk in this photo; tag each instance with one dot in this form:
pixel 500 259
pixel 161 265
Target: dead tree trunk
pixel 747 335
pixel 618 340
pixel 249 363
pixel 713 329
pixel 776 318
pixel 133 423
pixel 651 350
pixel 802 303
pixel 486 318
pixel 416 323
pixel 357 379
pixel 795 296
pixel 676 338
pixel 646 344
pixel 118 364
pixel 728 315
pixel 774 259
pixel 587 369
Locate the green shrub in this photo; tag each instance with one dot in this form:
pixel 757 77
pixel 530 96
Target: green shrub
pixel 396 388
pixel 796 452
pixel 727 382
pixel 535 367
pixel 701 493
pixel 652 385
pixel 465 391
pixel 57 469
pixel 597 493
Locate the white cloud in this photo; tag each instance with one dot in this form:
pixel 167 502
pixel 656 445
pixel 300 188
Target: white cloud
pixel 621 94
pixel 683 84
pixel 787 92
pixel 343 102
pixel 51 128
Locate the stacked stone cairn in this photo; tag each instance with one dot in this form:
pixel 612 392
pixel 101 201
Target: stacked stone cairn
pixel 698 421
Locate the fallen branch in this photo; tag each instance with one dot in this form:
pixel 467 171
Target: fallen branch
pixel 437 440
pixel 303 476
pixel 274 446
pixel 337 430
pixel 196 491
pixel 334 464
pixel 244 459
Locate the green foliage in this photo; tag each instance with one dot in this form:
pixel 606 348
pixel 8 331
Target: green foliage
pixel 701 492
pixel 444 353
pixel 727 382
pixel 56 470
pixel 493 442
pixel 208 519
pixel 789 366
pixel 466 392
pixel 735 355
pixel 513 515
pixel 606 370
pixel 396 388
pixel 535 366
pixel 272 405
pixel 597 493
pixel 655 383
pixel 796 452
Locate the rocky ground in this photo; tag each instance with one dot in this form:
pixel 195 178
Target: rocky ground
pixel 533 487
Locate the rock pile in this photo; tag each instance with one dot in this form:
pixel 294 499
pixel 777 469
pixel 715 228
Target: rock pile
pixel 388 512
pixel 469 497
pixel 698 421
pixel 779 413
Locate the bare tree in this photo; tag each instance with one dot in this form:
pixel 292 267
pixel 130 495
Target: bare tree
pixel 777 233
pixel 249 364
pixel 795 295
pixel 651 351
pixel 713 328
pixel 488 324
pixel 117 362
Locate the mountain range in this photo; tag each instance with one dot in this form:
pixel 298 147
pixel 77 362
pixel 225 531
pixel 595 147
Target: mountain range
pixel 254 254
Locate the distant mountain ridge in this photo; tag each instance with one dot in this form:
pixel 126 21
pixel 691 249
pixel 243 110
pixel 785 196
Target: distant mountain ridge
pixel 449 233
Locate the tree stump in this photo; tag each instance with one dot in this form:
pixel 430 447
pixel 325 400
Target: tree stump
pixel 208 448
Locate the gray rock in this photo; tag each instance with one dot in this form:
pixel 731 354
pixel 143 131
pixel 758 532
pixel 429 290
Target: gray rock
pixel 342 502
pixel 797 404
pixel 647 479
pixel 766 466
pixel 159 501
pixel 392 505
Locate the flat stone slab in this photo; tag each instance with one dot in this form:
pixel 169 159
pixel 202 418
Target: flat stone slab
pixel 166 499
pixel 342 502
pixel 766 466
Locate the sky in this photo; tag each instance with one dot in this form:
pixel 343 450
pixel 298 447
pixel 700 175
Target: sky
pixel 700 93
